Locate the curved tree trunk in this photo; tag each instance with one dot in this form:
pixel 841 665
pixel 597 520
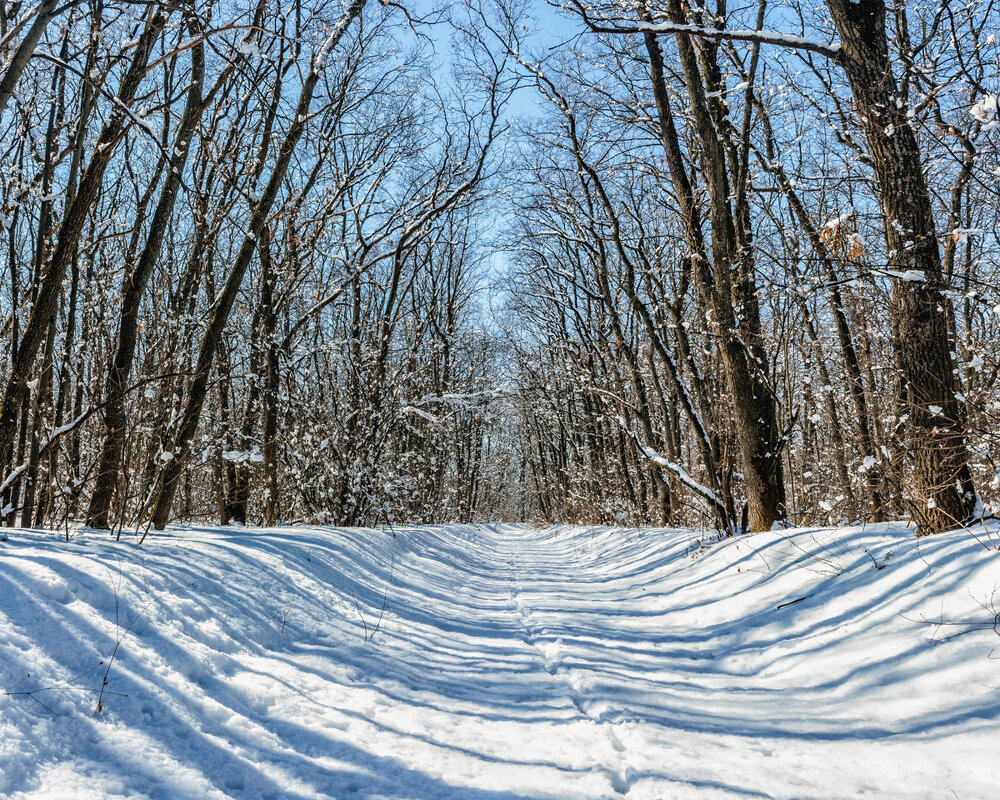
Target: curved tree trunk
pixel 751 398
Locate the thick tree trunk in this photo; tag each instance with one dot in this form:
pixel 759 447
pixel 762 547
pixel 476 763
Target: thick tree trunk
pixel 46 11
pixel 238 474
pixel 943 491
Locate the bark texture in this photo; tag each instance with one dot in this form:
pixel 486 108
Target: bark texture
pixel 943 491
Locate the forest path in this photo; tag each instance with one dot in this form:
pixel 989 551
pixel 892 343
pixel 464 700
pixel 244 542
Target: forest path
pixel 545 580
pixel 496 663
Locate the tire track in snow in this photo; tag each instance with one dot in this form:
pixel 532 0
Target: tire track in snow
pixel 550 653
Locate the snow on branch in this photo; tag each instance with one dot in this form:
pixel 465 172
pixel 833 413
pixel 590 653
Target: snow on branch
pixel 706 494
pixel 57 434
pixel 830 50
pixel 69 427
pixel 424 415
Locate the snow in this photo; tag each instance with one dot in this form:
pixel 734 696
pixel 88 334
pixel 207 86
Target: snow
pixel 829 50
pixel 984 109
pixel 909 275
pixel 240 456
pixel 248 48
pixel 499 662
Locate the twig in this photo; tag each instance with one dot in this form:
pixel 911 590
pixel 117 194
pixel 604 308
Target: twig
pixel 969 626
pixel 114 652
pixel 357 605
pixel 378 623
pixel 793 602
pixel 63 685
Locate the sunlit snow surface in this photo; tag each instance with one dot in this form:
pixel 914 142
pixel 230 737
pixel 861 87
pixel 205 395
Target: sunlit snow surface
pixel 509 663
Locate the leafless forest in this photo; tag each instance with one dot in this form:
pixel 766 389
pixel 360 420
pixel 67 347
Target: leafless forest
pixel 365 262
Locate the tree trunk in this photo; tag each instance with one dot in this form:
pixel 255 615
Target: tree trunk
pixel 751 398
pixel 43 16
pixel 109 468
pixel 46 303
pixel 172 472
pixel 272 507
pixel 943 492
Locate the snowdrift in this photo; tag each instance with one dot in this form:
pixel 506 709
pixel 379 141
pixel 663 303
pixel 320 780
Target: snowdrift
pixel 499 662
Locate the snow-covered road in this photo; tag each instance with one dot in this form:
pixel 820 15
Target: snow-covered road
pixel 498 662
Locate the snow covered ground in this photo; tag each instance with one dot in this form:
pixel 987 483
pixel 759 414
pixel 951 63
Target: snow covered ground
pixel 508 662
